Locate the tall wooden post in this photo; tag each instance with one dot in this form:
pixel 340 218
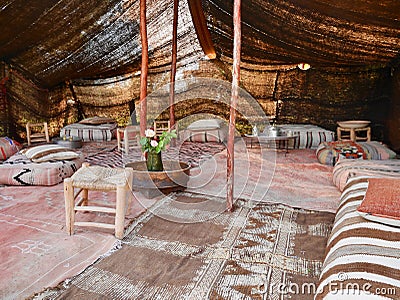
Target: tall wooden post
pixel 234 100
pixel 144 69
pixel 173 65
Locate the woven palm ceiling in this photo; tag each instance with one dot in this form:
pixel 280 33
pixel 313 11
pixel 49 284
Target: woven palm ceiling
pixel 52 41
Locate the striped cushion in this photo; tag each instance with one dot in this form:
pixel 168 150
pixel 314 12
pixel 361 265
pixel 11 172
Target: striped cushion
pixel 204 136
pixel 103 132
pixel 347 168
pixel 362 257
pixel 310 136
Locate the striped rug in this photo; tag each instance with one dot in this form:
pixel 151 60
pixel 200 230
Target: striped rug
pixel 188 247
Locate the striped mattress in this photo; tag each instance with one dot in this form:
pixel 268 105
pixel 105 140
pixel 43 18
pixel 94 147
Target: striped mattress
pixel 103 132
pixel 347 168
pixel 362 257
pixel 310 136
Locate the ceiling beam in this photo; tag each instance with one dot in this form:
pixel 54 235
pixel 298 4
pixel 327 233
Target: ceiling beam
pixel 200 25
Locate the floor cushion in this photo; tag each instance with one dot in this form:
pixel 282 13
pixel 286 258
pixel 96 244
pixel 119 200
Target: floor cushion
pixel 347 168
pixel 310 136
pixel 362 257
pixel 329 153
pixel 205 130
pixel 20 170
pixel 87 132
pixel 8 147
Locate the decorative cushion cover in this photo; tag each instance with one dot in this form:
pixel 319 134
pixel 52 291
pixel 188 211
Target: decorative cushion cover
pixel 20 170
pixel 103 132
pixel 346 168
pixel 97 120
pixel 8 147
pixel 329 153
pixel 382 201
pixel 49 152
pixel 359 253
pixel 205 130
pixel 310 136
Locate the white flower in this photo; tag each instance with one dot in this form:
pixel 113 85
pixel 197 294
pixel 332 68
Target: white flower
pixel 149 133
pixel 154 143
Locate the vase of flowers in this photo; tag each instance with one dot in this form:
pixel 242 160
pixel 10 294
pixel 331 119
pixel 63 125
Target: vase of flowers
pixel 152 145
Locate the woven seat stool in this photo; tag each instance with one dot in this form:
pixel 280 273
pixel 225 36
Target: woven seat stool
pixel 100 179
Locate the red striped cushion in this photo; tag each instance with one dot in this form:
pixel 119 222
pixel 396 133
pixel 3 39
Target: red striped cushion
pixel 8 147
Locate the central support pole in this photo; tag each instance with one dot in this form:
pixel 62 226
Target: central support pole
pixel 144 68
pixel 234 100
pixel 173 65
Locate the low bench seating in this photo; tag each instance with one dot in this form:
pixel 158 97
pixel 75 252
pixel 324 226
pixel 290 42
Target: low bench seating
pixel 362 256
pixel 40 165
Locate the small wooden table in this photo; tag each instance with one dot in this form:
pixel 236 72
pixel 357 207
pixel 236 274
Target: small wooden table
pixel 280 141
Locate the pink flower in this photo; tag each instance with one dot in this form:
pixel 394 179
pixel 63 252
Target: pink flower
pixel 149 133
pixel 154 143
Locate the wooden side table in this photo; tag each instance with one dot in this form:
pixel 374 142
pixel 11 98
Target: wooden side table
pixel 353 134
pixel 101 179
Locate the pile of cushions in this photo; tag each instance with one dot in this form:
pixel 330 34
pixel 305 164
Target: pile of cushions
pixel 205 130
pixel 40 165
pixel 8 147
pixel 329 153
pixel 362 256
pixel 92 129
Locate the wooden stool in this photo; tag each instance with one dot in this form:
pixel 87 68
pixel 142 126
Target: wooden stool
pixel 100 179
pixel 37 136
pixel 353 134
pixel 128 138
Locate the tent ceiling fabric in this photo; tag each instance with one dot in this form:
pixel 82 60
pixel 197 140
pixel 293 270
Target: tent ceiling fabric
pixel 320 32
pixel 52 41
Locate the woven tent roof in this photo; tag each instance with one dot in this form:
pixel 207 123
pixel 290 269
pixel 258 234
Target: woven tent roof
pixel 90 51
pixel 53 41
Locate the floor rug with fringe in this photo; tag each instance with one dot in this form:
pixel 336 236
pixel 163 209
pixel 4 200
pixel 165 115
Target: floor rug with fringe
pixel 188 247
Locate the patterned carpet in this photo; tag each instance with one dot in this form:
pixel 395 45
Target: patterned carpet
pixel 107 154
pixel 184 248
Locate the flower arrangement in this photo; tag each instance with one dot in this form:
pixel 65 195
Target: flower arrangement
pixel 152 143
pixel 152 146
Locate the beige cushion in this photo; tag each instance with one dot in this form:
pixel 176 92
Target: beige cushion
pixel 97 120
pixel 206 124
pixel 49 152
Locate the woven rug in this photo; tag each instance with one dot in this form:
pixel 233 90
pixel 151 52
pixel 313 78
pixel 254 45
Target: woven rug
pixel 109 156
pixel 185 248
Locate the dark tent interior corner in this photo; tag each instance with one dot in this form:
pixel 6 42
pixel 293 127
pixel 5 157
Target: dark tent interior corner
pixel 89 52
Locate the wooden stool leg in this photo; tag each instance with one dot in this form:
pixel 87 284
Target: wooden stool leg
pixel 69 205
pixel 28 133
pixel 129 191
pixel 120 211
pixel 85 197
pixel 352 135
pixel 339 134
pixel 368 134
pixel 126 141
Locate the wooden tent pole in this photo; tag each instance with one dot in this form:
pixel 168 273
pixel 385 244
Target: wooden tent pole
pixel 173 65
pixel 144 68
pixel 234 100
